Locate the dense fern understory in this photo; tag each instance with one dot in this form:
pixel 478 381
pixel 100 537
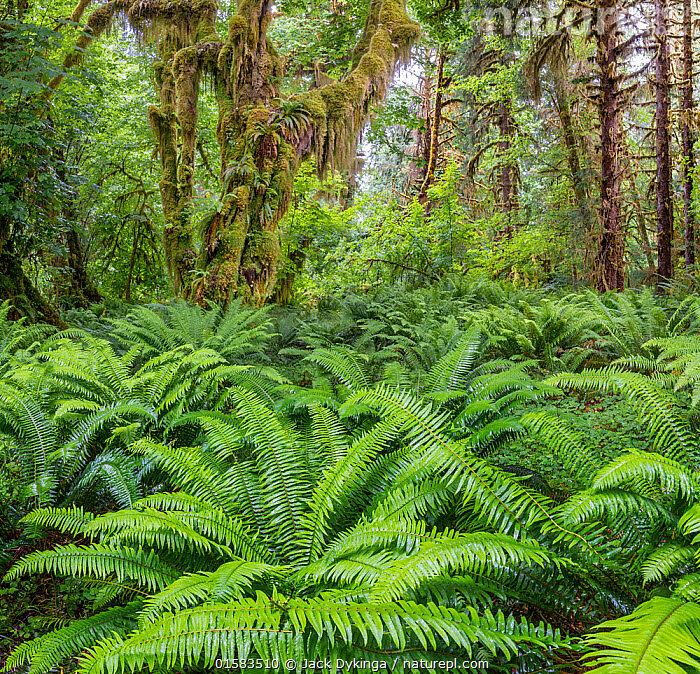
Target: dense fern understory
pixel 475 473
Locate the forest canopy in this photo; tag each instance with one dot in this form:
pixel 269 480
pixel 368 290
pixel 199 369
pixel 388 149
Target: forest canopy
pixel 349 331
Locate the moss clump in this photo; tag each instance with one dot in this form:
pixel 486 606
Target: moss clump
pixel 237 26
pixel 315 105
pixel 406 34
pixel 155 116
pixel 257 116
pixel 100 18
pixel 242 196
pixel 373 65
pixel 264 247
pixel 186 57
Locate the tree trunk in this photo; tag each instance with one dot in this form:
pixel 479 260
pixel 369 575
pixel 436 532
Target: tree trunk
pixel 664 211
pixel 509 187
pixel 182 57
pixel 72 285
pixel 433 148
pixel 420 151
pixel 688 140
pixel 642 229
pixel 26 300
pixel 578 182
pixel 263 141
pixel 132 263
pixel 611 253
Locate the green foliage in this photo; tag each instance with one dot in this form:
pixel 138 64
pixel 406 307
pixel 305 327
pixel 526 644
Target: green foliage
pixel 379 495
pixel 662 635
pixel 277 529
pixel 28 172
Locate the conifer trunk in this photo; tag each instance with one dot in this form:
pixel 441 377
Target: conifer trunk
pixel 509 195
pixel 611 253
pixel 420 151
pixel 433 148
pixel 664 212
pixel 578 182
pixel 687 135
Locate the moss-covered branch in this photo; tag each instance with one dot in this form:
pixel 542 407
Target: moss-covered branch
pixel 97 23
pixel 340 110
pixel 262 138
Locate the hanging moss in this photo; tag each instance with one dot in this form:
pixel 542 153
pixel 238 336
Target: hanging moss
pixel 240 247
pixel 339 110
pixel 101 17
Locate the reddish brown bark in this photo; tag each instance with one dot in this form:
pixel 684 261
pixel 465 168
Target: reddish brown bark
pixel 435 123
pixel 664 212
pixel 688 155
pixel 611 253
pixel 420 151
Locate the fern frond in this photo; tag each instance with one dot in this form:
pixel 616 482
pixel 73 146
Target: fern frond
pixel 496 497
pixel 450 372
pixel 230 581
pixel 37 436
pixel 334 492
pixel 212 522
pixel 567 445
pixel 328 434
pixel 273 627
pixel 279 461
pixel 450 552
pixel 661 635
pixel 147 527
pixel 409 500
pixel 73 451
pixel 666 560
pixel 633 465
pixel 613 506
pixel 50 650
pixel 343 363
pixel 194 471
pixel 72 520
pixel 97 560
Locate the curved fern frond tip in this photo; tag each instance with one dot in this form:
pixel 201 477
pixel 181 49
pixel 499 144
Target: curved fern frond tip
pixel 661 635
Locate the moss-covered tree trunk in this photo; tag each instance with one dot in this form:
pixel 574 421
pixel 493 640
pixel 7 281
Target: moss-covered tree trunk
pixel 433 148
pixel 26 300
pixel 688 135
pixel 262 137
pixel 611 252
pixel 509 184
pixel 188 45
pixel 72 286
pixel 664 205
pixel 578 180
